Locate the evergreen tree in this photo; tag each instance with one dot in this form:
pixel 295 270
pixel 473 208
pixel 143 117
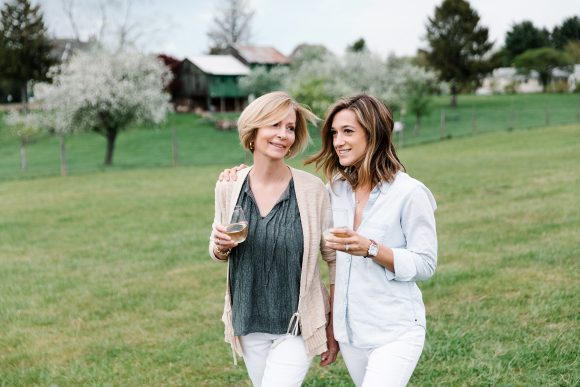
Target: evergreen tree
pixel 458 45
pixel 25 50
pixel 358 46
pixel 568 31
pixel 522 37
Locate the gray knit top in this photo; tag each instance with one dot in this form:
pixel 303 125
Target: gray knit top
pixel 265 270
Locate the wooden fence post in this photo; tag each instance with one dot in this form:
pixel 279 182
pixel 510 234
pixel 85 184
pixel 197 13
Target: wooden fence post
pixel 174 147
pixel 512 118
pixel 442 124
pixel 63 163
pixel 473 120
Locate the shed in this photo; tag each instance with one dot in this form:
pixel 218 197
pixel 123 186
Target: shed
pixel 211 81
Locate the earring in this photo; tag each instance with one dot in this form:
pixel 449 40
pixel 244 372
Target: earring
pixel 251 146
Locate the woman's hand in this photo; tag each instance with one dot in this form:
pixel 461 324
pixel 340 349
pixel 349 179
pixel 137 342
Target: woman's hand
pixel 222 241
pixel 349 241
pixel 330 355
pixel 231 173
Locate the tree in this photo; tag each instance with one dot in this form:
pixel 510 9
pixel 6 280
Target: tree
pixel 315 84
pixel 358 46
pixel 522 37
pixel 25 50
pixel 105 93
pixel 25 126
pixel 231 25
pixel 304 53
pixel 261 81
pixel 573 51
pixel 114 24
pixel 418 86
pixel 543 60
pixel 568 31
pixel 318 83
pixel 458 45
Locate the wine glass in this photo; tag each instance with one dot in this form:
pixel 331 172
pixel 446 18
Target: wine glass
pixel 238 228
pixel 339 220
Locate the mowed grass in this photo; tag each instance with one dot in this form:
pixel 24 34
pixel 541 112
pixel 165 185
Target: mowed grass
pixel 105 277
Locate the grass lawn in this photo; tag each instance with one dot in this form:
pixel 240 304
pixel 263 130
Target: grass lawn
pixel 105 277
pixel 199 144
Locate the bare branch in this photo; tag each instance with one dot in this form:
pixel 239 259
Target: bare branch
pixel 68 8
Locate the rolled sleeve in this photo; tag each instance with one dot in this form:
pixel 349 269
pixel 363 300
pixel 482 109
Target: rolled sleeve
pixel 417 261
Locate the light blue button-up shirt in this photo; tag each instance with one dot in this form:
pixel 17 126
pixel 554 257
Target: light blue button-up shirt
pixel 372 305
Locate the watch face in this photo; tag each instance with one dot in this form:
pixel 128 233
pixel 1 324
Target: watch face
pixel 373 250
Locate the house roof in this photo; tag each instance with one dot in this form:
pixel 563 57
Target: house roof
pixel 261 54
pixel 220 65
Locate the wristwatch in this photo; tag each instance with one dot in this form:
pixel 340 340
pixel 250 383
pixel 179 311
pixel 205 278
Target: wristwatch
pixel 373 249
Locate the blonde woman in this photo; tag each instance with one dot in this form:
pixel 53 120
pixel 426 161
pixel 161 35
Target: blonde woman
pixel 277 309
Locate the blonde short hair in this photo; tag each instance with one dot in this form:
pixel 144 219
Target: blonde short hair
pixel 270 109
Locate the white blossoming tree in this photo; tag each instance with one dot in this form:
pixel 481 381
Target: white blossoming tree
pixel 261 81
pixel 24 126
pixel 412 87
pixel 399 83
pixel 106 93
pixel 316 83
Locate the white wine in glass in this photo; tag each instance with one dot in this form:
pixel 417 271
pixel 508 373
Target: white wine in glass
pixel 339 220
pixel 238 229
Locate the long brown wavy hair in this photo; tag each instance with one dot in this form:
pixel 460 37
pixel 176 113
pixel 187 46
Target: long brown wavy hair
pixel 380 163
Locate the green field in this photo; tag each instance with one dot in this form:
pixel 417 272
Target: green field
pixel 105 278
pixel 200 145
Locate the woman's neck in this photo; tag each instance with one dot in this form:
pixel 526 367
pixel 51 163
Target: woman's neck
pixel 268 171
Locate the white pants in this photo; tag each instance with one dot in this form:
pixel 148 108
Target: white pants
pixel 389 365
pixel 275 360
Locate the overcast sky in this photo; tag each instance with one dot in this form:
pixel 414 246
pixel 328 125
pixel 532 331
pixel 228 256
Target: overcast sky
pixel 178 27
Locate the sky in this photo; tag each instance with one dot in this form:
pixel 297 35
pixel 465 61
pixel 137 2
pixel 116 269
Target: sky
pixel 179 27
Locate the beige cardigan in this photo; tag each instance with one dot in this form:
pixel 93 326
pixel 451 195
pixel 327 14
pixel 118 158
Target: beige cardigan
pixel 316 216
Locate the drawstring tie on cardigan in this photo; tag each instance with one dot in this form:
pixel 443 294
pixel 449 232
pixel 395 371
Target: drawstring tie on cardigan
pixel 293 329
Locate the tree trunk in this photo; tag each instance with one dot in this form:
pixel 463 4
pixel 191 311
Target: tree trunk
pixel 174 147
pixel 63 163
pixel 544 80
pixel 24 96
pixel 453 95
pixel 442 125
pixel 23 161
pixel 111 137
pixel 417 124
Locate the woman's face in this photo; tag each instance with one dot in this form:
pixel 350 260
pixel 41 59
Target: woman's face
pixel 348 138
pixel 275 141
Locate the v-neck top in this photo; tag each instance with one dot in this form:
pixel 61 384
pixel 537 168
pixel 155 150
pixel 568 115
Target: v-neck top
pixel 265 270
